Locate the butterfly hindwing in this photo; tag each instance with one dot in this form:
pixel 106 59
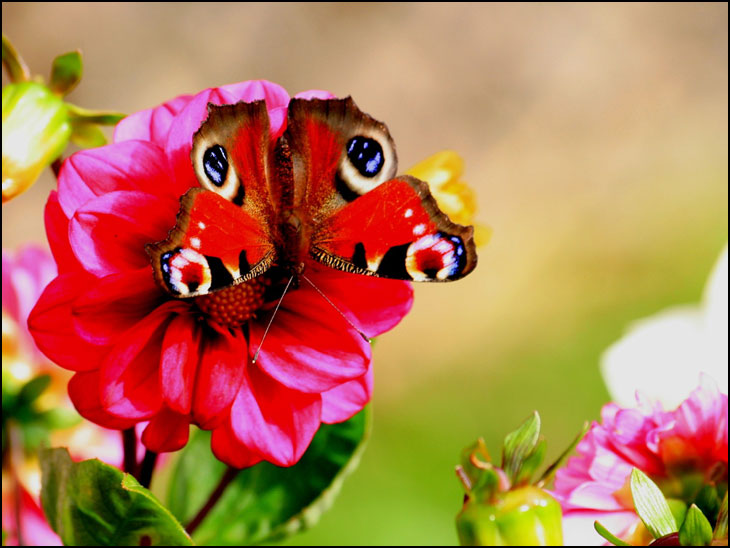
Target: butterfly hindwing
pixel 214 245
pixel 396 231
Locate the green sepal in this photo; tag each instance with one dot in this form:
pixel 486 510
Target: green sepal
pixel 531 463
pixel 473 457
pixel 678 508
pixel 651 506
pixel 610 537
pixel 90 503
pixel 266 502
pixel 549 473
pixel 17 70
pixel 708 500
pixel 66 72
pixel 720 532
pixel 86 135
pixel 101 117
pixel 519 444
pixel 696 530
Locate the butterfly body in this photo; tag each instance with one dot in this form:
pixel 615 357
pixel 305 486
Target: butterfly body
pixel 325 190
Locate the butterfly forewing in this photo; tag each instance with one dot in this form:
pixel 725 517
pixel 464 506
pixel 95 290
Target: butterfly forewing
pixel 225 231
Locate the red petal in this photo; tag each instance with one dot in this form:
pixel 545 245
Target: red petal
pixel 310 347
pixel 273 420
pixel 151 124
pixel 223 358
pixel 228 449
pixel 374 305
pixel 57 233
pixel 180 354
pixel 84 389
pixel 109 233
pixel 131 165
pixel 115 304
pixel 346 400
pixel 129 377
pixel 167 431
pixel 51 325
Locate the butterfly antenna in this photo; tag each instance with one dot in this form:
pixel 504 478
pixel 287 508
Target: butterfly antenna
pixel 363 335
pixel 271 320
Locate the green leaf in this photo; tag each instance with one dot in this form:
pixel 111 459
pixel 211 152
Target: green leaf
pixel 547 476
pixel 610 537
pixel 696 530
pixel 90 503
pixel 721 525
pixel 66 72
pixel 519 444
pixel 266 502
pixel 87 135
pixel 12 61
pixel 34 388
pixel 102 117
pixel 651 505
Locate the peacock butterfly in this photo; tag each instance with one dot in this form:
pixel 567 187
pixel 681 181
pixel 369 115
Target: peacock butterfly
pixel 326 189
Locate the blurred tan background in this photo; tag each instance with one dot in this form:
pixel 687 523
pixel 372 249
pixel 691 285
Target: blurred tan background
pixel 595 136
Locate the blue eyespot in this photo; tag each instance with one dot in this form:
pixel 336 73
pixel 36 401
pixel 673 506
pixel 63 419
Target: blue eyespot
pixel 215 164
pixel 366 155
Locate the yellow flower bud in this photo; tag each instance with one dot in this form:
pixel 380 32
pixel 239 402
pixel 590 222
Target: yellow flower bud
pixel 36 129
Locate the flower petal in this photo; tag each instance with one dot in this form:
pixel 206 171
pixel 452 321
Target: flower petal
pixel 167 431
pixel 578 527
pixel 129 378
pixel 223 357
pixel 57 232
pixel 227 448
pixel 342 402
pixel 109 233
pixel 130 165
pixel 178 364
pixel 374 305
pixel 310 347
pixel 115 304
pixel 152 124
pixel 273 420
pixel 84 389
pixel 51 326
pixel 180 136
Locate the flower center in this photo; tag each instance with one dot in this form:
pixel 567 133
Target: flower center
pixel 232 306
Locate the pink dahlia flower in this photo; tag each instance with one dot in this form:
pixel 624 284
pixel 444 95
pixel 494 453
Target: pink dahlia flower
pixel 675 448
pixel 140 355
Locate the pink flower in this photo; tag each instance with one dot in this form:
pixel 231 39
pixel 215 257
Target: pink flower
pixel 672 447
pixel 140 355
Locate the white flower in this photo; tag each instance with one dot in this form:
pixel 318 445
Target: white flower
pixel 662 356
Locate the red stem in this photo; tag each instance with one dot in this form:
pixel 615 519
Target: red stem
pixel 227 478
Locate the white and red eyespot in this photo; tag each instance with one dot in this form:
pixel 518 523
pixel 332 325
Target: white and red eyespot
pixel 185 271
pixel 436 257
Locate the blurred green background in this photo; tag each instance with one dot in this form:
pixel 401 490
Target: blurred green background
pixel 594 135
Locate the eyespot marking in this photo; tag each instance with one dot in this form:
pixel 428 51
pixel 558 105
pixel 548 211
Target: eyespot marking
pixel 436 257
pixel 366 155
pixel 215 164
pixel 184 271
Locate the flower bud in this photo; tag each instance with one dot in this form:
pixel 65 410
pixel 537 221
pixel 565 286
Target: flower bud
pixel 527 516
pixel 36 129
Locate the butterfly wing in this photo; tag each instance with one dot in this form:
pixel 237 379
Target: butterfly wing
pixel 224 233
pixel 363 219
